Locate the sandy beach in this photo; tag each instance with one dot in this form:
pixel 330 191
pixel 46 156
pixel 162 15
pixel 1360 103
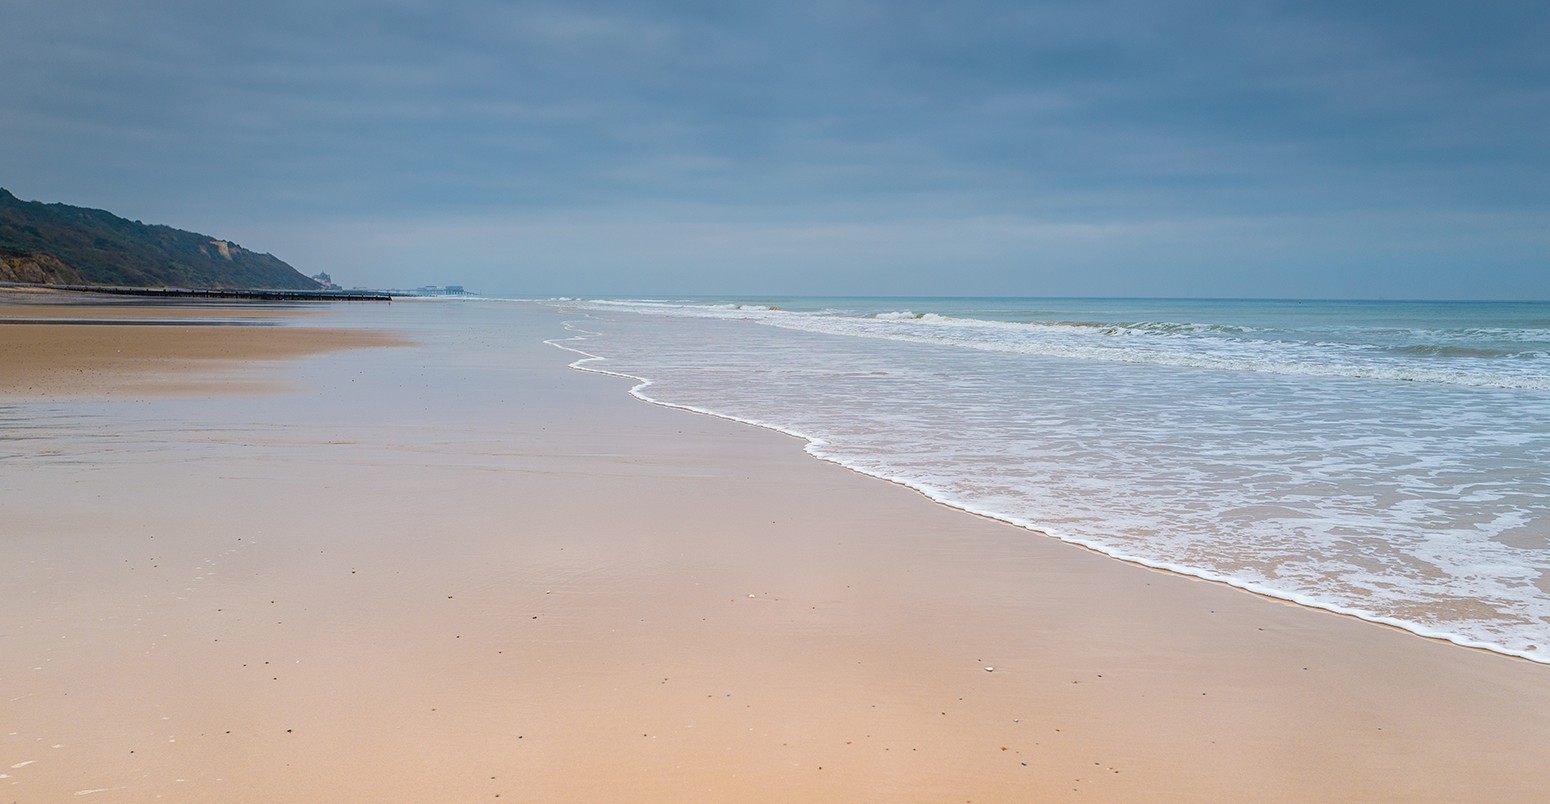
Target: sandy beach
pixel 74 344
pixel 281 566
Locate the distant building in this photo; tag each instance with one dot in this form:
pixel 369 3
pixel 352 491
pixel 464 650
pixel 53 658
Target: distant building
pixel 325 280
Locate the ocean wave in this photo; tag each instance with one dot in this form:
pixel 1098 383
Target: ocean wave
pixel 908 315
pixel 1199 345
pixel 1443 350
pixel 1390 504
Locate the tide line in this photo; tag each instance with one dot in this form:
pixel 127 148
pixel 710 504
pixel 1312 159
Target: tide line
pixel 814 447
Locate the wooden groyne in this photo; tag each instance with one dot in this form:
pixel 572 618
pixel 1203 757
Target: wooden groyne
pixel 217 293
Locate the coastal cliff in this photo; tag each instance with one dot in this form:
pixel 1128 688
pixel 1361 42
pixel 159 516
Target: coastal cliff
pixel 58 244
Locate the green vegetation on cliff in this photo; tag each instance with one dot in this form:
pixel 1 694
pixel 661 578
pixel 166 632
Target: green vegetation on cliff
pixel 59 244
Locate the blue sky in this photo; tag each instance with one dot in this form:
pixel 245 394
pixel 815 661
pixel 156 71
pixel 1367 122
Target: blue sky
pixel 1377 149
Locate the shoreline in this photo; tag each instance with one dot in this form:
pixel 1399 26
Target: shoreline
pixel 811 444
pixel 462 568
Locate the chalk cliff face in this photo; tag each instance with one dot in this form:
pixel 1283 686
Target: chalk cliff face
pixel 64 245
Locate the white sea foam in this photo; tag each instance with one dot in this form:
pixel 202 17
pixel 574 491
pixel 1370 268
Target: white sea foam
pixel 1182 344
pixel 1420 505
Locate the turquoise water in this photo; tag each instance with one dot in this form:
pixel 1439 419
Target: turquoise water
pixel 1501 344
pixel 1385 459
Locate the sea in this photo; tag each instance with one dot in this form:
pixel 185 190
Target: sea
pixel 1388 460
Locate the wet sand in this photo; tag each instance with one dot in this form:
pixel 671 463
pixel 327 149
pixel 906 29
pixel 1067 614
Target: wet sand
pixel 459 570
pixel 63 344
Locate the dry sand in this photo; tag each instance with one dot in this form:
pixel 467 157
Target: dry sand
pixel 460 571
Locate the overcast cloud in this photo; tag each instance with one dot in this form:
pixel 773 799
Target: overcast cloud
pixel 1035 148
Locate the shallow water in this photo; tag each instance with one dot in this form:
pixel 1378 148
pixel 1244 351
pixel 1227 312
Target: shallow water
pixel 1387 460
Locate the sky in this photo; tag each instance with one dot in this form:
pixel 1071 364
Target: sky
pixel 1104 148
